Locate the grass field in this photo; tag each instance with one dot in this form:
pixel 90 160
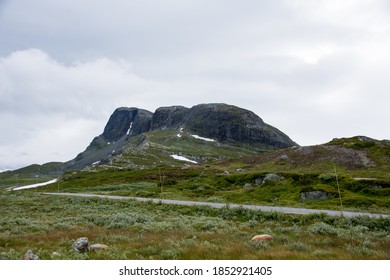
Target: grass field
pixel 211 184
pixel 145 168
pixel 134 230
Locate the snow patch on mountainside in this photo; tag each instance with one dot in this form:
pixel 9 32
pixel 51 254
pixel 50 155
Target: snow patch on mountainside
pixel 128 131
pixel 182 158
pixel 35 185
pixel 202 138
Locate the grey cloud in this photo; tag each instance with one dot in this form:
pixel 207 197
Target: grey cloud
pixel 314 69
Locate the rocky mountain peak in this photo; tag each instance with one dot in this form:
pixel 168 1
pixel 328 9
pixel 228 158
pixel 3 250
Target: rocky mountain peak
pixel 127 121
pixel 168 117
pixel 231 124
pixel 223 123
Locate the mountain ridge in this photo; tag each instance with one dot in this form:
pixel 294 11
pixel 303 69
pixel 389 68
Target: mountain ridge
pixel 225 124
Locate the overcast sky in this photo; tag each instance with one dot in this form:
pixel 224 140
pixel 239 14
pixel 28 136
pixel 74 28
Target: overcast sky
pixel 315 69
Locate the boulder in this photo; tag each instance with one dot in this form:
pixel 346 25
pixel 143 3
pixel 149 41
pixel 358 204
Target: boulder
pixel 98 247
pixel 315 195
pixel 30 256
pixel 283 157
pixel 248 186
pixel 262 237
pixel 272 177
pixel 55 255
pixel 258 181
pixel 81 245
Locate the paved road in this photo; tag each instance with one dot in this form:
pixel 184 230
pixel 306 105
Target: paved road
pixel 288 210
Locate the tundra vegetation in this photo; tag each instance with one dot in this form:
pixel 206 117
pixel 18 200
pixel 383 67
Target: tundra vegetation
pixel 48 226
pixel 296 176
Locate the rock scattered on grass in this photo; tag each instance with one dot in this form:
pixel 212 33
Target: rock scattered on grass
pixel 98 247
pixel 30 256
pixel 56 255
pixel 81 245
pixel 262 237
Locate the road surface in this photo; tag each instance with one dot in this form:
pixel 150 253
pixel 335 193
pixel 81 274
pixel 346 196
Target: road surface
pixel 287 210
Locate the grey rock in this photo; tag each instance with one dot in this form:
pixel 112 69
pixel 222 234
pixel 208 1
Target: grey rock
pixel 56 255
pixel 81 245
pixel 283 157
pixel 272 177
pixel 315 195
pixel 98 247
pixel 30 256
pixel 258 181
pixel 248 186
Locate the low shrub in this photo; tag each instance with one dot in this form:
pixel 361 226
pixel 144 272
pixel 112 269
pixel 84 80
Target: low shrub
pixel 322 228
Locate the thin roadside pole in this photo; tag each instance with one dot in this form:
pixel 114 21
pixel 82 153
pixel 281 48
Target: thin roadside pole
pixel 338 188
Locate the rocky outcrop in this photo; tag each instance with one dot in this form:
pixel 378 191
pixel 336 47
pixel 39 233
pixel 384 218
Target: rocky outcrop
pixel 231 124
pixel 168 118
pixel 127 121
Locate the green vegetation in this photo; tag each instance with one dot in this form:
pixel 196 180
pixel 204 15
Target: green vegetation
pixel 298 177
pixel 134 230
pixel 31 174
pixel 210 184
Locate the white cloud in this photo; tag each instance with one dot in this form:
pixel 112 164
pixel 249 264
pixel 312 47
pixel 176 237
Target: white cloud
pixel 51 110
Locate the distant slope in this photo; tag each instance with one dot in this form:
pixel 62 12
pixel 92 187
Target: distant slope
pixel 32 174
pixel 358 154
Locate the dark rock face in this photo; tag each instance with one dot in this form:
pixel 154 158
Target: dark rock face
pixel 132 121
pixel 168 117
pixel 222 122
pixel 231 124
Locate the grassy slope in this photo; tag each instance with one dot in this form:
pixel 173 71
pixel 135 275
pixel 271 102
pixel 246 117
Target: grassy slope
pixel 31 174
pixel 209 184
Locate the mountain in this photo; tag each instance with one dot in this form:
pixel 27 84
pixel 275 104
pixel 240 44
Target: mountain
pixel 204 132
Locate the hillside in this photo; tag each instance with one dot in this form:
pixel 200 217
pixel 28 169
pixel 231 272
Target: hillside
pixel 358 156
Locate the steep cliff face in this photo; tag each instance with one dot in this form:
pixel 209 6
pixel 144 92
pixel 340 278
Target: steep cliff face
pixel 222 122
pixel 231 124
pixel 168 117
pixel 127 121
